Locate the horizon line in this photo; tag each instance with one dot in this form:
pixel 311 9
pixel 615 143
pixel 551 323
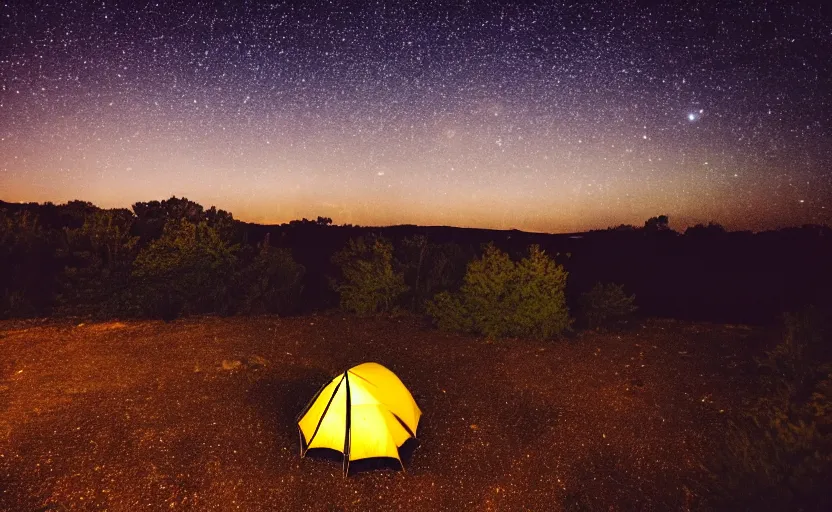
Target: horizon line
pixel 426 226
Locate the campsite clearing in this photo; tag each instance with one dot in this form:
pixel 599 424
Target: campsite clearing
pixel 199 414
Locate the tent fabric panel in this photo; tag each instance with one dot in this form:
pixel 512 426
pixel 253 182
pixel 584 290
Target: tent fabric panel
pixel 370 435
pixel 397 431
pixel 389 390
pixel 309 421
pixel 361 393
pixel 332 431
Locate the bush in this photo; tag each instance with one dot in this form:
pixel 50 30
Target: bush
pixel 778 452
pixel 606 303
pixel 189 269
pixel 369 283
pixel 501 298
pixel 273 281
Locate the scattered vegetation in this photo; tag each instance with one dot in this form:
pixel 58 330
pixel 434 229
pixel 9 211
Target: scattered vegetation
pixel 501 298
pixel 605 304
pixel 173 257
pixel 369 284
pixel 779 449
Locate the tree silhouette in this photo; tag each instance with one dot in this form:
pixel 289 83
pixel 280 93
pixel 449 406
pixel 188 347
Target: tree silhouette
pixel 711 230
pixel 657 224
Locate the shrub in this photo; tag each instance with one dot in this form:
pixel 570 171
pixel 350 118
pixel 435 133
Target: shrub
pixel 501 298
pixel 189 269
pixel 273 281
pixel 606 303
pixel 778 452
pixel 369 283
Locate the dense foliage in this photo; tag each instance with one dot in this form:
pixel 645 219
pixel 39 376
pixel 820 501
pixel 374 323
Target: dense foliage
pixel 273 282
pixel 190 269
pixel 502 298
pixel 95 280
pixel 162 259
pixel 26 273
pixel 605 304
pixel 369 285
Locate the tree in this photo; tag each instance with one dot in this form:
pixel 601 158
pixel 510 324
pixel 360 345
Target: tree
pixel 501 298
pixel 229 228
pixel 152 216
pixel 189 269
pixel 429 268
pixel 101 252
pixel 106 233
pixel 657 224
pixel 273 281
pixel 27 264
pixel 369 283
pixel 415 251
pixel 700 230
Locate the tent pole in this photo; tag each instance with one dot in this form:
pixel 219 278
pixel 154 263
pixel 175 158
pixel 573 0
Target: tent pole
pixel 347 429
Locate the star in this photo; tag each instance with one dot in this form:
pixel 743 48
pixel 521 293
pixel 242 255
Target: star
pixel 306 101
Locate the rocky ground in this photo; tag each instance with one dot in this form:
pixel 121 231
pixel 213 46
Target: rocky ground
pixel 199 414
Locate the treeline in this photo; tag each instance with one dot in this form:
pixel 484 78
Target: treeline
pixel 161 259
pixel 174 257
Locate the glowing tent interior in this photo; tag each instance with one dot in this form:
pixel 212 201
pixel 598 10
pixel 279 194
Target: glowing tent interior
pixel 364 412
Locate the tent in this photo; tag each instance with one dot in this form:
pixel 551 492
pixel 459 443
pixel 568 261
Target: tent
pixel 364 412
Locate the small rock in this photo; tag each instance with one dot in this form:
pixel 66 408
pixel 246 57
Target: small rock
pixel 637 383
pixel 256 361
pixel 231 365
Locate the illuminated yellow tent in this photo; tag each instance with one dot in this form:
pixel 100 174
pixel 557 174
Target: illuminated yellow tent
pixel 365 412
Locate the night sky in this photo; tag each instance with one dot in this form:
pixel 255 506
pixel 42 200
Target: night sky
pixel 554 117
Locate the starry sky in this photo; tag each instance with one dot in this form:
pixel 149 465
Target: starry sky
pixel 551 117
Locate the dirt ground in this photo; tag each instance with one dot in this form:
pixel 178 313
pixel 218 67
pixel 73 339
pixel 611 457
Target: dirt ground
pixel 199 414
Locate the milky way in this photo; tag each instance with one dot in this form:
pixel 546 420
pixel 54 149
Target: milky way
pixel 548 118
